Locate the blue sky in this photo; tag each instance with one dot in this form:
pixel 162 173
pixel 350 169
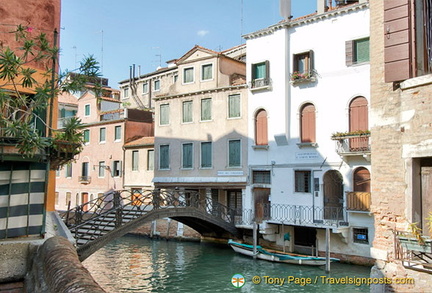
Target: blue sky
pixel 148 33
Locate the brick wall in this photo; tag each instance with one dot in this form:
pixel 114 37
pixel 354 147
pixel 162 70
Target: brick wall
pixel 168 229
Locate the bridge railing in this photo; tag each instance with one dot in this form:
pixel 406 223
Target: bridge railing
pixel 94 218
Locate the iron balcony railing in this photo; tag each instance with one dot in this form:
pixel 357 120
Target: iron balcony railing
pixel 298 215
pixel 260 83
pixel 84 179
pixel 353 144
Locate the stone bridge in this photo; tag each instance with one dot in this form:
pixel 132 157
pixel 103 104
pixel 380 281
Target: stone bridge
pixel 116 213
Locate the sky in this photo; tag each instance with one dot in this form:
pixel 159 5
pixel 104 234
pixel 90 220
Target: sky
pixel 149 33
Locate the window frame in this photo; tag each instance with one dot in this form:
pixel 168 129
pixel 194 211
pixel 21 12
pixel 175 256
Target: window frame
pixel 303 129
pixel 135 160
pixel 101 169
pixel 102 135
pixel 190 103
pixel 306 186
pixel 157 85
pixel 150 160
pixel 192 69
pixel 86 136
pixel 360 231
pixel 202 114
pixel 116 168
pixel 189 166
pixel 230 163
pixel 264 174
pixel 145 87
pixel 309 64
pixel 167 113
pixel 351 52
pixel 202 71
pixel 87 110
pixel 230 116
pixel 68 170
pixel 117 134
pixel 258 81
pixel 210 159
pixel 167 167
pixel 261 126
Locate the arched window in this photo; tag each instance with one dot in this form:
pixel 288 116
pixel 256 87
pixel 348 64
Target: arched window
pixel 261 132
pixel 307 123
pixel 358 114
pixel 361 180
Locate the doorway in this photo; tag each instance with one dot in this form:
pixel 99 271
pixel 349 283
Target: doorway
pixel 262 204
pixel 333 195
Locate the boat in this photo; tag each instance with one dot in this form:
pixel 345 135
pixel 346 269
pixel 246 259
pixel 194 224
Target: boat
pixel 278 256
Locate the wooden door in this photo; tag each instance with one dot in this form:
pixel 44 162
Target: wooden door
pixel 262 204
pixel 426 197
pixel 84 200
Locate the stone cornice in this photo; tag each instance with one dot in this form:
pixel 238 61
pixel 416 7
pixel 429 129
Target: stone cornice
pixel 305 20
pixel 201 92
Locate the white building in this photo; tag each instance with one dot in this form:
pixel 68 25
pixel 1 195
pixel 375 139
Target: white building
pixel 308 82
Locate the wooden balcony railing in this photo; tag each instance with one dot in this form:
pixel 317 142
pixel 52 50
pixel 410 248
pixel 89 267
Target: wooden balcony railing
pixel 358 201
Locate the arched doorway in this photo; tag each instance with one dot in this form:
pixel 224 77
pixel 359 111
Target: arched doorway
pixel 333 195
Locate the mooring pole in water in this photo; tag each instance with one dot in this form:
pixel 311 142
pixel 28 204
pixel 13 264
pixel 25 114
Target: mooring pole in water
pixel 255 228
pixel 327 250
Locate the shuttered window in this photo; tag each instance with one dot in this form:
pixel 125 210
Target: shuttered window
pixel 358 114
pixel 206 110
pixel 135 160
pixel 234 156
pixel 357 51
pixel 206 155
pixel 150 160
pixel 234 106
pixel 261 128
pixel 407 38
pixel 187 111
pixel 164 157
pixel 187 155
pixel 164 114
pixel 207 72
pixel 361 180
pixel 188 75
pixel 307 124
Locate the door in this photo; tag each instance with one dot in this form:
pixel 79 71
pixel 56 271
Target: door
pixel 262 204
pixel 84 200
pixel 426 197
pixel 333 195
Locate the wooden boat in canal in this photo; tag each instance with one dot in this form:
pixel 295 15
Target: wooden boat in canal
pixel 279 256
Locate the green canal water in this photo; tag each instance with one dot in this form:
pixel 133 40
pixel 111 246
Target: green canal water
pixel 135 264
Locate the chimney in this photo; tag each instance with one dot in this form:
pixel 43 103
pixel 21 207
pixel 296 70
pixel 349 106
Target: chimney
pixel 285 9
pixel 321 6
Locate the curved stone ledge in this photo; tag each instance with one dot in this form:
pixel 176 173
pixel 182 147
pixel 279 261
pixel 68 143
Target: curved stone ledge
pixel 56 268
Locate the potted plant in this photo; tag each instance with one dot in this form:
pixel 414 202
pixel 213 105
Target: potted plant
pixel 348 134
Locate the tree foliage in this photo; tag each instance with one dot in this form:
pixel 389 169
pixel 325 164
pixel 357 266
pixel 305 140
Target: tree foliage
pixel 29 83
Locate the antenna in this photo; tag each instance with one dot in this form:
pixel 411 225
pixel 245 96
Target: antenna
pixel 241 23
pixel 102 52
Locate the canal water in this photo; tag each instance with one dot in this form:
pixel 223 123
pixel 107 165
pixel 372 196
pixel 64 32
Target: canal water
pixel 137 264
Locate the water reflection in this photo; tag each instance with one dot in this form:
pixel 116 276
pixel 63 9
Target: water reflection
pixel 133 264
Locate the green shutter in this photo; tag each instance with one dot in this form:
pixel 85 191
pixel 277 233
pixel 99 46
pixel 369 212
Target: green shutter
pixel 164 157
pixel 187 111
pixel 234 106
pixel 187 155
pixel 206 154
pixel 362 50
pixel 206 109
pixel 234 153
pixel 164 114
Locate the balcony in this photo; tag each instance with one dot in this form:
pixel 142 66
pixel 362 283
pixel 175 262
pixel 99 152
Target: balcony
pixel 302 77
pixel 358 201
pixel 353 144
pixel 84 179
pixel 260 84
pixel 298 215
pixel 415 253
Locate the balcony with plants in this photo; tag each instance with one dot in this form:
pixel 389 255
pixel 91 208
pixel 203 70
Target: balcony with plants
pixel 353 143
pixel 298 77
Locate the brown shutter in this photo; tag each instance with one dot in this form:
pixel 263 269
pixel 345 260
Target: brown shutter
pixel 397 40
pixel 308 123
pixel 361 180
pixel 358 114
pixel 261 128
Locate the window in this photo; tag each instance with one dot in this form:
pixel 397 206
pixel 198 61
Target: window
pixel 102 169
pixel 126 92
pixel 68 198
pixel 102 132
pixel 357 51
pixel 157 85
pixel 307 123
pixel 261 177
pixel 58 171
pixel 69 170
pixel 234 153
pixel 164 157
pixel 206 155
pixel 135 160
pixel 361 235
pixel 164 114
pixel 261 128
pixel 187 111
pixel 86 136
pixel 261 74
pixel 187 155
pixel 145 87
pixel 302 63
pixel 87 110
pixel 408 39
pixel 117 133
pixel 302 181
pixel 206 110
pixel 188 75
pixel 116 169
pixel 207 72
pixel 150 160
pixel 85 169
pixel 234 106
pixel 175 78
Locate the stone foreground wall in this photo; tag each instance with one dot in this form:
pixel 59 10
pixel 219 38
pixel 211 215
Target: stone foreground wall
pixel 55 268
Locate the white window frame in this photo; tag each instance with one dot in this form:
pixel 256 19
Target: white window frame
pixel 115 133
pixel 202 72
pixel 211 109
pixel 211 155
pixel 191 120
pixel 145 87
pixel 100 136
pixel 154 85
pixel 101 169
pixel 135 160
pixel 85 110
pixel 240 153
pixel 160 157
pixel 228 106
pixel 160 114
pixel 182 156
pixel 184 75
